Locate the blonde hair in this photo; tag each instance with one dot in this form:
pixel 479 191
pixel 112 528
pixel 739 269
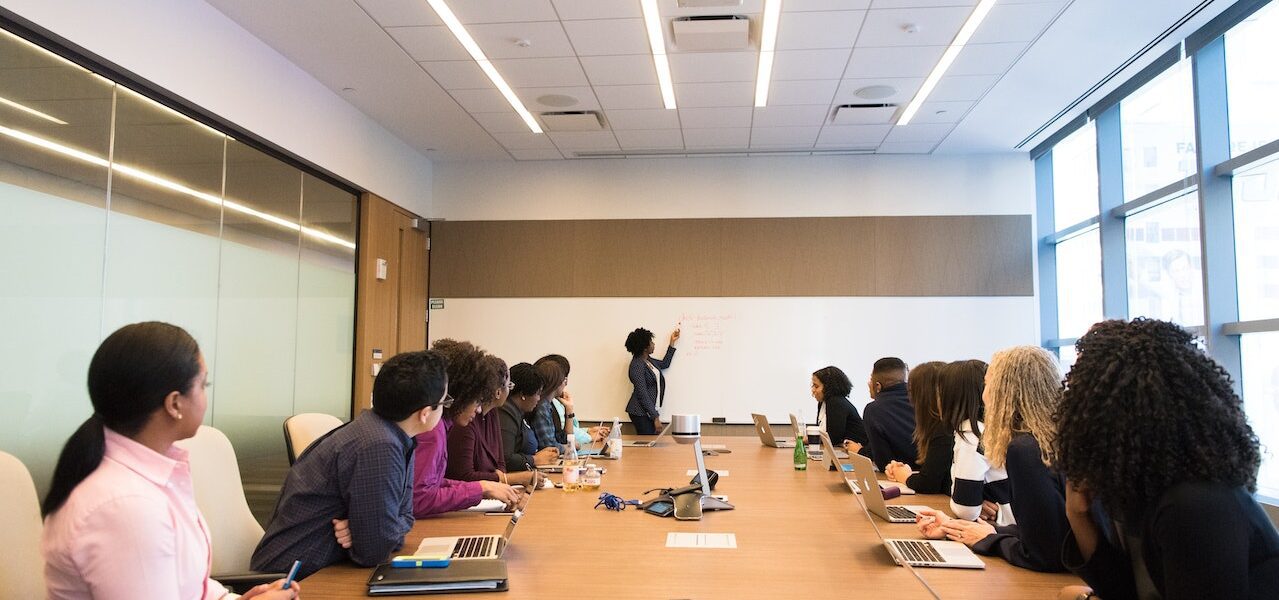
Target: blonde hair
pixel 1023 387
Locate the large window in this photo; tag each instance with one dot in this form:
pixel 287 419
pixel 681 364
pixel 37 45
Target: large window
pixel 1075 177
pixel 1158 132
pixel 1257 240
pixel 1078 284
pixel 1261 400
pixel 1165 273
pixel 1253 80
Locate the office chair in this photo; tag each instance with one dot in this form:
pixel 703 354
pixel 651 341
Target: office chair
pixel 22 571
pixel 300 431
pixel 219 493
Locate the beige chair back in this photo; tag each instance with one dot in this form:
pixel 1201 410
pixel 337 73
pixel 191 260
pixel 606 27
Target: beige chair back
pixel 300 431
pixel 22 569
pixel 219 493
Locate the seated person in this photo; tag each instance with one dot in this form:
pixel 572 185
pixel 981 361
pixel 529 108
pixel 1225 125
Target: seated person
pixel 934 442
pixel 120 517
pixel 889 418
pixel 548 428
pixel 519 445
pixel 1160 465
pixel 563 403
pixel 1022 389
pixel 433 493
pixel 358 478
pixel 978 488
pixel 475 450
pixel 835 414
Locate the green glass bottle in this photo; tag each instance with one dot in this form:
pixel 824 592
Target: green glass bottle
pixel 801 455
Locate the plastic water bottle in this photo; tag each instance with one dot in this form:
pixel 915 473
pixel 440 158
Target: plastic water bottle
pixel 591 478
pixel 571 468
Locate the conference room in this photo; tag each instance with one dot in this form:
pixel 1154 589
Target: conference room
pixel 308 189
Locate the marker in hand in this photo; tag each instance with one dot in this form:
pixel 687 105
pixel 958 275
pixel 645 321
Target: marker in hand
pixel 293 572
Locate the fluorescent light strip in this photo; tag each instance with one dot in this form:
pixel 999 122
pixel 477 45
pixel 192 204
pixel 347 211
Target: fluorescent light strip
pixel 767 43
pixel 472 48
pixel 31 111
pixel 170 185
pixel 965 33
pixel 653 22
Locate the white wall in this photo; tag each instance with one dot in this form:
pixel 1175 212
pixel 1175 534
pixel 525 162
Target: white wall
pixel 191 49
pixel 735 187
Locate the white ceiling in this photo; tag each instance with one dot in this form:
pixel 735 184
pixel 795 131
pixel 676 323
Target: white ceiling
pixel 396 61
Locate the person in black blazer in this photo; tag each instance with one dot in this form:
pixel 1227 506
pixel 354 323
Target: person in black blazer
pixel 835 413
pixel 648 380
pixel 934 441
pixel 1158 456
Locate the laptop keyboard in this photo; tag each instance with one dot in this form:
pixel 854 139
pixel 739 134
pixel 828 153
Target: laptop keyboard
pixel 918 552
pixel 473 547
pixel 901 512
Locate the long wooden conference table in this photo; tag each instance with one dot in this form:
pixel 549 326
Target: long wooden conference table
pixel 800 534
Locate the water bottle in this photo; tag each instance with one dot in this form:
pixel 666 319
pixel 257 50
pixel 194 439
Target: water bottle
pixel 571 468
pixel 591 478
pixel 801 455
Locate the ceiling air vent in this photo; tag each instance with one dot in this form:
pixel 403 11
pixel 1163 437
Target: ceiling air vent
pixel 707 3
pixel 864 114
pixel 576 120
pixel 721 32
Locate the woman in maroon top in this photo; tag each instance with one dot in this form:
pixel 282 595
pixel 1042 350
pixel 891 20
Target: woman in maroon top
pixel 475 450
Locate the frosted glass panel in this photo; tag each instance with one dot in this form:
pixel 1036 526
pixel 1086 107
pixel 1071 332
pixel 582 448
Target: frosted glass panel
pixel 1165 271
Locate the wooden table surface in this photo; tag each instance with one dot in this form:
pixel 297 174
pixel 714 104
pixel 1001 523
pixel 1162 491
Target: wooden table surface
pixel 800 534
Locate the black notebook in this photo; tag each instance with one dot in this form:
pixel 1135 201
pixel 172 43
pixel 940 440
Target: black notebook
pixel 486 575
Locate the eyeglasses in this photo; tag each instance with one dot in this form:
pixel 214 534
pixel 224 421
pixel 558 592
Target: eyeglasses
pixel 447 401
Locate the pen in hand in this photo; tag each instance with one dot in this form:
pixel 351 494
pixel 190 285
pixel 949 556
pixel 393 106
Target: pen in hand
pixel 293 572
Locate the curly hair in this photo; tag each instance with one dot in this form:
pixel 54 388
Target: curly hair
pixel 470 382
pixel 1144 409
pixel 637 341
pixel 1023 387
pixel 835 383
pixel 922 390
pixel 497 373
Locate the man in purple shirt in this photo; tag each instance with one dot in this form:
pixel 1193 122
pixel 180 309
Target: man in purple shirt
pixel 358 478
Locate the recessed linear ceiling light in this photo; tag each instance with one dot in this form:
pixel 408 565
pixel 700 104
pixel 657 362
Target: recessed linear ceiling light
pixel 767 43
pixel 446 14
pixel 653 22
pixel 948 57
pixel 31 111
pixel 156 180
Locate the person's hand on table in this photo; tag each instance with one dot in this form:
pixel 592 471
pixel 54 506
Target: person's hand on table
pixel 500 491
pixel 967 532
pixel 897 471
pixel 546 456
pixel 342 532
pixel 930 523
pixel 274 591
pixel 852 447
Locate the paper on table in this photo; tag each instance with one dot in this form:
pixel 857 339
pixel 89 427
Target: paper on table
pixel 701 540
pixel 723 473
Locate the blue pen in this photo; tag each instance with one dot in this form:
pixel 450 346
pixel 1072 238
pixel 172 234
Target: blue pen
pixel 293 572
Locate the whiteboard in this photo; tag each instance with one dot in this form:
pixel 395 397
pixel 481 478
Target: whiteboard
pixel 736 355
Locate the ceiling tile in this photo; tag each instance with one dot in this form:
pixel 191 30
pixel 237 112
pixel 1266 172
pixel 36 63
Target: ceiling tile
pixel 905 86
pixel 597 9
pixel 541 72
pixel 986 59
pixel 812 5
pixel 481 101
pixel 709 118
pixel 501 122
pixel 650 139
pixel 651 118
pixel 540 154
pixel 920 3
pixel 633 69
pixel 585 97
pixel 923 132
pixel 843 136
pixel 629 96
pixel 695 67
pixel 670 8
pixel 457 74
pixel 824 29
pixel 936 26
pixel 863 115
pixel 790 137
pixel 608 36
pixel 809 64
pixel 736 93
pixel 960 88
pixel 500 40
pixel 523 140
pixel 502 11
pixel 584 140
pixel 905 148
pixel 393 13
pixel 738 137
pixel 429 43
pixel 1015 22
pixel 908 61
pixel 784 93
pixel 941 112
pixel 790 116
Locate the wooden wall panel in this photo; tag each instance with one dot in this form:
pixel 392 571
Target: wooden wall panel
pixel 820 256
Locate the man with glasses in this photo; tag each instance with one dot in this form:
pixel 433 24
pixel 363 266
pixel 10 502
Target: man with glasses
pixel 350 495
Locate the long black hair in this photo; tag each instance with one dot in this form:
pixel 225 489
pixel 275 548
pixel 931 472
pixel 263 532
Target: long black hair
pixel 130 375
pixel 959 389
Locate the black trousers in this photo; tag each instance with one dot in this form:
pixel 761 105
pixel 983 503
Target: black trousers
pixel 643 424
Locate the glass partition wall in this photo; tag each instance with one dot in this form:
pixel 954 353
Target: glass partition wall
pixel 117 210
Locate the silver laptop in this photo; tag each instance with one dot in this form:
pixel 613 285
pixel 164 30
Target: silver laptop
pixel 766 436
pixel 836 464
pixel 863 475
pixel 473 547
pixel 602 451
pixel 648 443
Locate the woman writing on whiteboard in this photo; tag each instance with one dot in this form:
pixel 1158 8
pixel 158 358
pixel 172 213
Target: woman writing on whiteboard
pixel 648 381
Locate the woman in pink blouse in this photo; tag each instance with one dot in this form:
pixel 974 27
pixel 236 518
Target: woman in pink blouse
pixel 120 518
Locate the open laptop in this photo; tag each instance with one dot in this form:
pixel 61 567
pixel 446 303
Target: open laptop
pixel 863 475
pixel 840 467
pixel 648 443
pixel 602 451
pixel 766 436
pixel 473 547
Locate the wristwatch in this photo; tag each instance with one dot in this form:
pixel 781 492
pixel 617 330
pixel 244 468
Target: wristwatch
pixel 570 416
